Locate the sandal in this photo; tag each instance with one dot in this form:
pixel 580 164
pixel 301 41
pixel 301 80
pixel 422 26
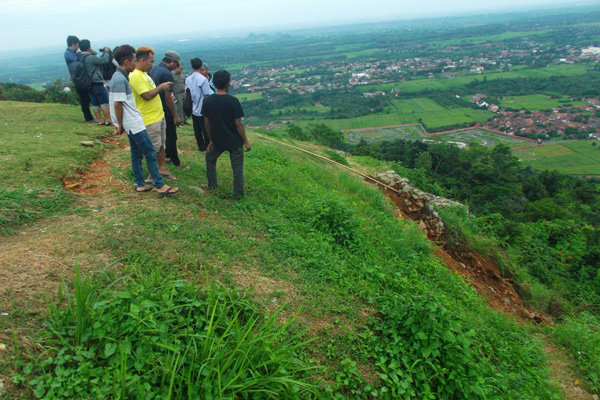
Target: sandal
pixel 146 189
pixel 183 167
pixel 169 192
pixel 169 176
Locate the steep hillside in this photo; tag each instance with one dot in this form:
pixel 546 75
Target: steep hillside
pixel 310 287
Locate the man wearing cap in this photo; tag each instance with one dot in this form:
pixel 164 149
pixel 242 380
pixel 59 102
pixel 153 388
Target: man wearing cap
pixel 161 74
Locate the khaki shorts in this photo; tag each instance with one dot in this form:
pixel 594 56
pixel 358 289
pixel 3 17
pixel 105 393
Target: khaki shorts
pixel 158 134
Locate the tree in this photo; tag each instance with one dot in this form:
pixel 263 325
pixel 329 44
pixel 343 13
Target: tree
pixel 423 161
pixel 325 135
pixel 56 93
pixel 296 132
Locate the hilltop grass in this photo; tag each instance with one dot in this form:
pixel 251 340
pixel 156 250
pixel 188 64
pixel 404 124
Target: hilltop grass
pixel 41 145
pixel 387 319
pixel 576 157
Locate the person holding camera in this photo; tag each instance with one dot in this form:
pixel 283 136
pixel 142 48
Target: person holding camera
pixel 98 93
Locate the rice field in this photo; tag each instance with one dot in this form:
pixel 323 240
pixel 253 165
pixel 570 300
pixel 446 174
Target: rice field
pixel 418 85
pixel 410 111
pixel 575 157
pixel 480 136
pixel 537 102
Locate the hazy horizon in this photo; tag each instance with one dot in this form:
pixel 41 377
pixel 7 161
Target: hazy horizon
pixel 35 24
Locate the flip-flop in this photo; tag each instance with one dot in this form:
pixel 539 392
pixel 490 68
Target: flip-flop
pixel 169 176
pixel 148 189
pixel 169 192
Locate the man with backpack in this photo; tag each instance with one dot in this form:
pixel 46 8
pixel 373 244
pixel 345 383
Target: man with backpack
pixel 71 61
pixel 98 93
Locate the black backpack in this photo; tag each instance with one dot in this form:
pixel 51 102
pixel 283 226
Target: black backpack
pixel 108 69
pixel 188 105
pixel 80 77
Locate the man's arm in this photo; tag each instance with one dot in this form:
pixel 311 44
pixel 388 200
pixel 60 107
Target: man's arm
pixel 104 59
pixel 169 99
pixel 208 132
pixel 119 116
pixel 242 132
pixel 150 94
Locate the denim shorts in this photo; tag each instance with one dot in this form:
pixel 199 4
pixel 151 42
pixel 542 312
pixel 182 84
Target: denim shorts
pixel 98 96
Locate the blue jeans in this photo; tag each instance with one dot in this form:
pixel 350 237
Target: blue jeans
pixel 141 147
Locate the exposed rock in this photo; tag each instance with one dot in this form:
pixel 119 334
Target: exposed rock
pixel 87 143
pixel 418 205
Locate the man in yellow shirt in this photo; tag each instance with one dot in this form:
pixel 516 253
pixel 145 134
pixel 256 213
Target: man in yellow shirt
pixel 145 93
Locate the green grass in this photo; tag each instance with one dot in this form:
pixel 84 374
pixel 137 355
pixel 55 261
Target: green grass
pixel 248 96
pixel 410 111
pixel 491 38
pixel 479 136
pixel 536 102
pixel 294 71
pixel 568 157
pixel 580 335
pixel 41 145
pixel 150 335
pixel 386 317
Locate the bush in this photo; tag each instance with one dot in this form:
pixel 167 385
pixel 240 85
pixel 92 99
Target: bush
pixel 18 92
pixel 160 338
pixel 56 93
pixel 580 335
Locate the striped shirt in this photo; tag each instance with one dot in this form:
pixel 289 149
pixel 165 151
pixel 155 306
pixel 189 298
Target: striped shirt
pixel 120 91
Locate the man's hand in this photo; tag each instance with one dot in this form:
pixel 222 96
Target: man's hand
pixel 164 86
pixel 119 130
pixel 177 120
pixel 247 146
pixel 208 147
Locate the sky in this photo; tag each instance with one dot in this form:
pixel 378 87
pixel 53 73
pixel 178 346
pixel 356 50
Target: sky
pixel 28 24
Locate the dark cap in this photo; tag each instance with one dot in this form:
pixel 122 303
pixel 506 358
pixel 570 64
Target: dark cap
pixel 172 55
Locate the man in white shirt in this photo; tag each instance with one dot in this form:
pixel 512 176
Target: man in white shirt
pixel 199 89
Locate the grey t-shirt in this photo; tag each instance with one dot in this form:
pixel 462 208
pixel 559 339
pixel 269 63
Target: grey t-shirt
pixel 120 91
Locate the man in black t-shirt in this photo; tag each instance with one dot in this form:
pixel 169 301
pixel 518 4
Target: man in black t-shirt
pixel 223 120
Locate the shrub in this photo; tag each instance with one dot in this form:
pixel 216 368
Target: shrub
pixel 160 338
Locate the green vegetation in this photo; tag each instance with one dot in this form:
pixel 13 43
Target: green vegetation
pixel 414 132
pixel 575 157
pixel 581 337
pixel 248 96
pixel 385 317
pixel 147 335
pixel 541 228
pixel 536 102
pixel 51 134
pixel 441 84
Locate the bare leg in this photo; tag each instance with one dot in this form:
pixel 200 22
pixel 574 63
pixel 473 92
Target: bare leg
pixel 97 114
pixel 160 158
pixel 106 114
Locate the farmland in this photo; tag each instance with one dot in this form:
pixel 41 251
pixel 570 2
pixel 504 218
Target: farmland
pixel 575 157
pixel 409 111
pixel 419 85
pixel 415 132
pixel 537 102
